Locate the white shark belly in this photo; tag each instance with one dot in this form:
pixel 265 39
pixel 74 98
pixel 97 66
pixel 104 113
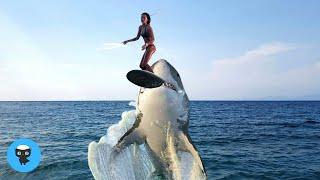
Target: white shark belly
pixel 159 118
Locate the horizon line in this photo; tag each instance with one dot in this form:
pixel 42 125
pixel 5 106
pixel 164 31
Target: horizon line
pixel 217 100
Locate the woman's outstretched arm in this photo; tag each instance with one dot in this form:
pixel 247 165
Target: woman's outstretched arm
pixel 133 39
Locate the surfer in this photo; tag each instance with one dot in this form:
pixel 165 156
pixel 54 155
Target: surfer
pixel 146 32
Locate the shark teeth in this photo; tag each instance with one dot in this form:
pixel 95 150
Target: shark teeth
pixel 169 85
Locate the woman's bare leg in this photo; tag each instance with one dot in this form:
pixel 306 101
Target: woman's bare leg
pixel 146 57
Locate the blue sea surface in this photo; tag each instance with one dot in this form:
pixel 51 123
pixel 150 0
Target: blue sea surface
pixel 236 140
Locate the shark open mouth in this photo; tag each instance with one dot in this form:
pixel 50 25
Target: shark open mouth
pixel 169 85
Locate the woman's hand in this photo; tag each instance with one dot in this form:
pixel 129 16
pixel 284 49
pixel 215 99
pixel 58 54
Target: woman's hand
pixel 124 42
pixel 144 47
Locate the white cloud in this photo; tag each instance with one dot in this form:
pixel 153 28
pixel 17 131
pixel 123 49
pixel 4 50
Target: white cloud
pixel 256 74
pixel 257 54
pixel 270 49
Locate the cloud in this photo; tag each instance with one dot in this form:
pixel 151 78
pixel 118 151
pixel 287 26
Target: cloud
pixel 270 49
pixel 266 71
pixel 257 54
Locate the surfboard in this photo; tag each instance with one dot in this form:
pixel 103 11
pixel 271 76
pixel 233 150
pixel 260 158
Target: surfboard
pixel 144 78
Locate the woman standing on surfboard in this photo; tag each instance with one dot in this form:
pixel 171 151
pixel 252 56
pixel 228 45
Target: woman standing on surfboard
pixel 146 32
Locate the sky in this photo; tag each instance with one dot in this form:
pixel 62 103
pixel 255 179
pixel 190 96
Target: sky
pixel 223 50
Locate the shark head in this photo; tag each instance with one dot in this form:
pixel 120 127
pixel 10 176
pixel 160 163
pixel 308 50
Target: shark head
pixel 169 98
pixel 169 74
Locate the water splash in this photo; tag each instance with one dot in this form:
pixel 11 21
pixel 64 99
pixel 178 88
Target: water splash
pixel 110 46
pixel 131 163
pixel 134 162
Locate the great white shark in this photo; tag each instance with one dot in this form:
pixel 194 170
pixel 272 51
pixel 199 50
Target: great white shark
pixel 162 123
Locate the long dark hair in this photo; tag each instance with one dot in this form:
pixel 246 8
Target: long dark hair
pixel 148 17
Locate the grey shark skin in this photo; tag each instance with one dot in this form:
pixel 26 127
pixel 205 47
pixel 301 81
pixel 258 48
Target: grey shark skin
pixel 162 122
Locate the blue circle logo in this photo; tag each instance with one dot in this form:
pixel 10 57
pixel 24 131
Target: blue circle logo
pixel 24 155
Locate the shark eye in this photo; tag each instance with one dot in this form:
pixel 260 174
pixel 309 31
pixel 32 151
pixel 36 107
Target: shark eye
pixel 178 75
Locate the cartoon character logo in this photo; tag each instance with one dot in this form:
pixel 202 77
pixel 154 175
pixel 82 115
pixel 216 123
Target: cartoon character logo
pixel 23 155
pixel 23 152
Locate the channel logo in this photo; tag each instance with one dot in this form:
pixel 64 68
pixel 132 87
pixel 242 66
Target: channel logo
pixel 24 155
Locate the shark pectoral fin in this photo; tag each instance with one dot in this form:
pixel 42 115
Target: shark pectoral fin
pixel 130 137
pixel 186 145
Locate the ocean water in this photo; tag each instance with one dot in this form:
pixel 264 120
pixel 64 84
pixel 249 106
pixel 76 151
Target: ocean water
pixel 236 140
